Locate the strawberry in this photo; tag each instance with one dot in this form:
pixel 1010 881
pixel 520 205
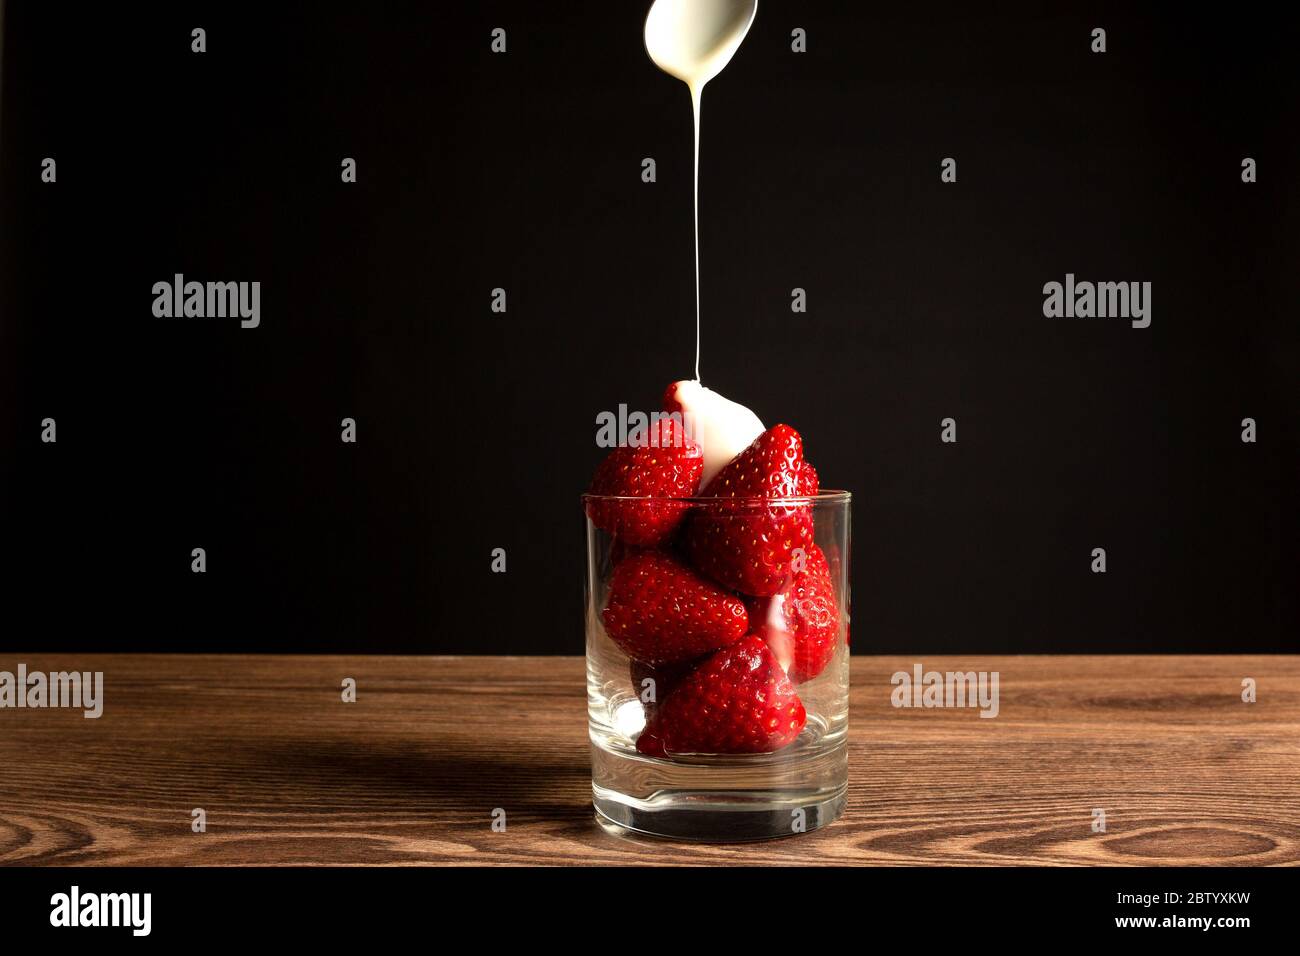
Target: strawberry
pixel 666 465
pixel 660 611
pixel 666 677
pixel 739 701
pixel 807 482
pixel 742 542
pixel 800 623
pixel 670 402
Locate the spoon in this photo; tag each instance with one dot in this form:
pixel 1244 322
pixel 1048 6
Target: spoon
pixel 694 39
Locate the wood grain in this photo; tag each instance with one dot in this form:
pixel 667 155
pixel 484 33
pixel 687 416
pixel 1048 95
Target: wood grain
pixel 409 774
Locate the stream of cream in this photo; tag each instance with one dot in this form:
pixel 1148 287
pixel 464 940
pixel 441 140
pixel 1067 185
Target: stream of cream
pixel 693 40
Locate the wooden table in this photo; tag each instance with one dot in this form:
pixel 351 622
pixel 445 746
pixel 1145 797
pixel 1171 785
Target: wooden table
pixel 287 773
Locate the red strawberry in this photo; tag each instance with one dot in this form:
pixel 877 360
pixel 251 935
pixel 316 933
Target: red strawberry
pixel 660 611
pixel 808 483
pixel 670 402
pixel 666 677
pixel 742 542
pixel 801 622
pixel 666 465
pixel 739 701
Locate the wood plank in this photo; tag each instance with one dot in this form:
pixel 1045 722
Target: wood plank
pixel 409 774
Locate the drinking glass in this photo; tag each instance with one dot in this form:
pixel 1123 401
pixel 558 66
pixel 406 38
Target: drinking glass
pixel 725 796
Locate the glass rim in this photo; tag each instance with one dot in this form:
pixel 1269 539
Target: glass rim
pixel 827 496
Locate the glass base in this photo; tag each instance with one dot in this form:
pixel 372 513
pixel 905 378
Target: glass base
pixel 713 817
pixel 720 799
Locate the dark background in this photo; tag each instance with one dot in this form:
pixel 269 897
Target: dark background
pixel 476 430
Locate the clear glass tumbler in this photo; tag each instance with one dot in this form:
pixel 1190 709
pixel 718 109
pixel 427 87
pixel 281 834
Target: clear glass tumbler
pixel 718 714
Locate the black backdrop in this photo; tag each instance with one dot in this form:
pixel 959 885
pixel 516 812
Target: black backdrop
pixel 476 430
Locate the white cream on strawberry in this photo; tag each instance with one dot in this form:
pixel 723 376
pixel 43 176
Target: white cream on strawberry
pixel 722 428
